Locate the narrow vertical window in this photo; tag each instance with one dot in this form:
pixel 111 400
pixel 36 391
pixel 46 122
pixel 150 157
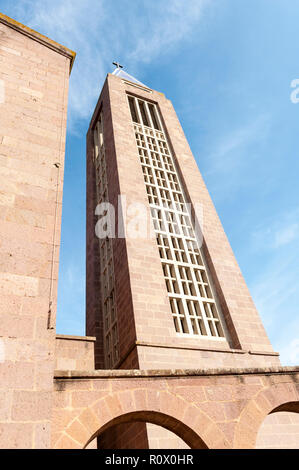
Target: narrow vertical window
pixel 110 331
pixel 133 109
pixel 153 116
pixel 143 113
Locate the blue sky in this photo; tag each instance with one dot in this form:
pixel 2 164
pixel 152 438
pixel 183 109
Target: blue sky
pixel 227 66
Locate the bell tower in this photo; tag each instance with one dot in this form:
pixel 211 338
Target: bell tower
pixel 167 292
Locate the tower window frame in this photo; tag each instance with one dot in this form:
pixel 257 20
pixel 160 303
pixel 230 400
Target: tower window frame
pixel 195 309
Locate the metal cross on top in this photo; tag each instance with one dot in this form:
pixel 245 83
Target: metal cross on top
pixel 117 64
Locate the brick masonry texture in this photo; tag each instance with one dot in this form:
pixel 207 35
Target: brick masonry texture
pixel 74 352
pixel 215 409
pixel 35 78
pixel 279 431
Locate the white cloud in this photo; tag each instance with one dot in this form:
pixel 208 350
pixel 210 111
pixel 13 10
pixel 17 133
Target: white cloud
pixel 286 235
pixel 228 154
pixel 275 285
pixel 102 31
pixel 167 26
pixel 289 353
pixel 272 287
pixel 232 159
pixel 277 231
pixel 275 293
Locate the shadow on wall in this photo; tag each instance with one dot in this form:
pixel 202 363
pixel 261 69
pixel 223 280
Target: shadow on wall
pixel 145 430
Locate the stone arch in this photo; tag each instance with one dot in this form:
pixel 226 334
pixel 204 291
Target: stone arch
pixel 172 424
pixel 292 406
pixel 278 397
pixel 157 406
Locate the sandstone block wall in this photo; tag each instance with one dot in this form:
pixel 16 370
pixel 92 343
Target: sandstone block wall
pixel 221 408
pixel 34 74
pixel 74 352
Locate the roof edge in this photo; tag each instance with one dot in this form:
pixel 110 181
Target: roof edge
pixel 147 373
pixel 76 338
pixel 136 84
pixel 55 46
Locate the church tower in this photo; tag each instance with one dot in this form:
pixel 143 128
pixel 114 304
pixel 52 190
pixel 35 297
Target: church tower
pixel 164 290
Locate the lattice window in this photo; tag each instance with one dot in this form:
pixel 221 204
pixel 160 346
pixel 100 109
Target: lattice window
pixel 158 220
pixel 152 195
pixel 187 281
pixel 186 226
pixel 144 158
pixel 212 318
pixel 179 249
pixel 152 144
pixel 164 248
pixel 171 222
pixel 195 315
pixel 178 314
pixel 111 341
pixel 194 252
pixel 167 163
pixel 160 177
pixel 156 161
pixel 173 182
pixel 179 204
pixel 163 147
pixel 170 278
pixel 193 304
pixel 165 198
pixel 203 284
pixel 140 139
pixel 148 175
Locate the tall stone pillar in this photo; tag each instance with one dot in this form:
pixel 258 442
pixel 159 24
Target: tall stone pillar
pixel 34 76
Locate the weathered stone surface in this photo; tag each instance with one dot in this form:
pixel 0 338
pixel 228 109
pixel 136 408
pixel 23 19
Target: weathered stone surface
pixel 33 125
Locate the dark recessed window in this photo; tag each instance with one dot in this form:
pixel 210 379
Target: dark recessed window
pixel 133 109
pixel 153 116
pixel 143 113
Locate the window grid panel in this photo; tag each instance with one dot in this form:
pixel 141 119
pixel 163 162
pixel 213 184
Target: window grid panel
pixel 178 315
pixel 171 221
pixel 188 286
pixel 161 137
pixel 202 283
pixel 164 248
pixel 152 195
pixel 193 252
pixel 170 278
pixel 111 341
pixel 161 181
pixel 156 160
pixel 187 281
pixel 152 167
pixel 213 320
pixel 197 322
pixel 179 249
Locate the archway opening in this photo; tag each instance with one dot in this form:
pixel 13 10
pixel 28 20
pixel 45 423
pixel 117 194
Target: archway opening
pixel 280 428
pixel 145 430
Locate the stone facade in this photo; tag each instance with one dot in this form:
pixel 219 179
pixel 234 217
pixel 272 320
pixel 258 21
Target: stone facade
pixel 34 76
pixel 238 395
pixel 221 408
pixel 74 352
